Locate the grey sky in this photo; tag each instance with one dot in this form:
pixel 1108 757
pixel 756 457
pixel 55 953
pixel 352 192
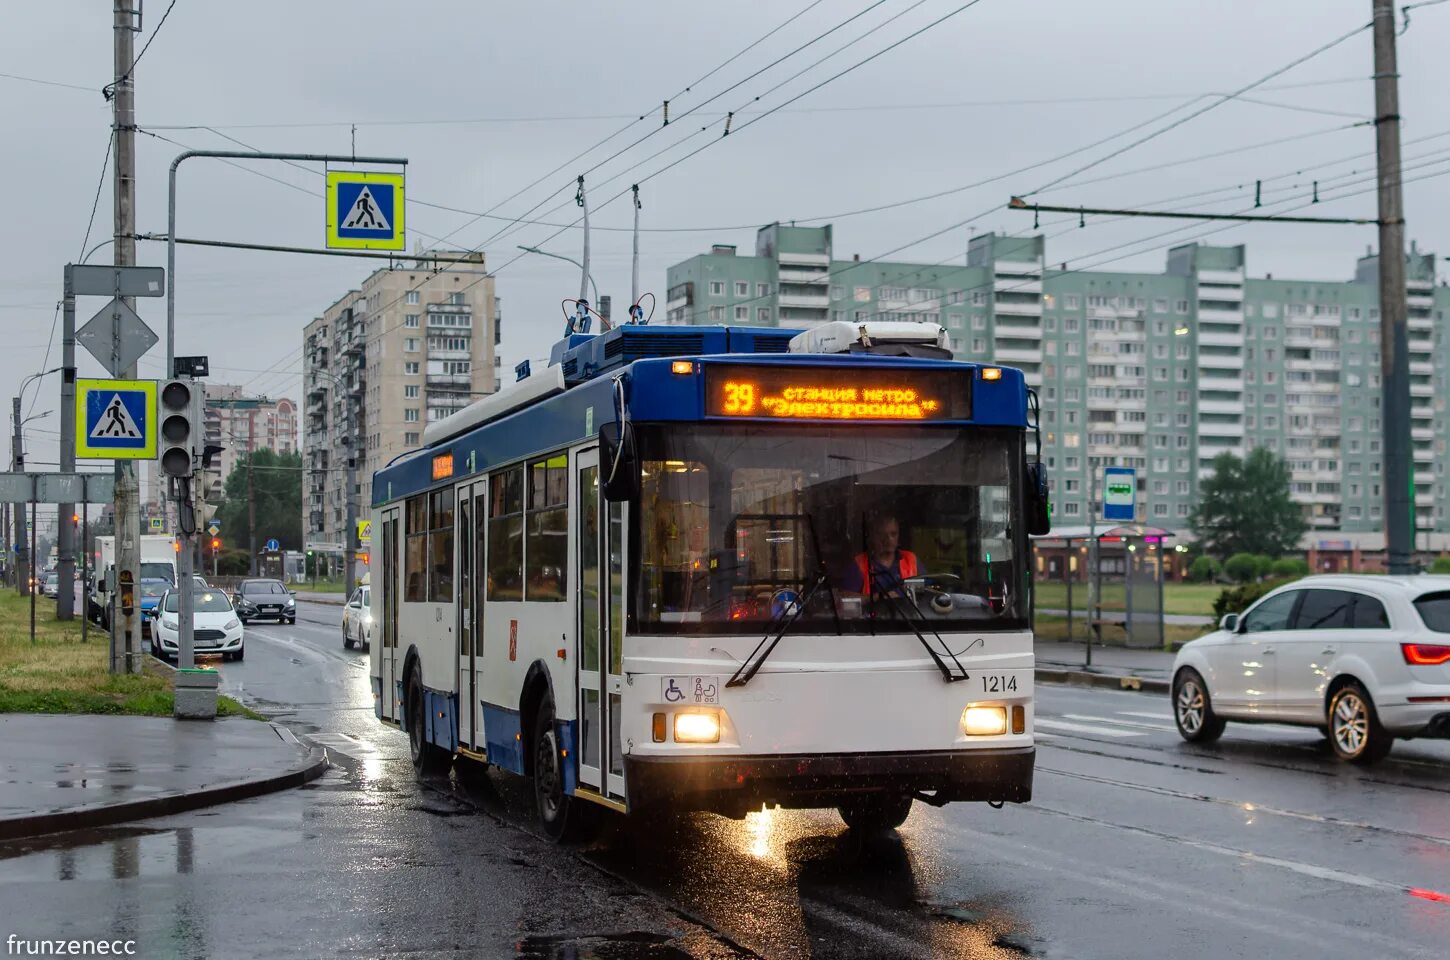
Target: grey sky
pixel 938 122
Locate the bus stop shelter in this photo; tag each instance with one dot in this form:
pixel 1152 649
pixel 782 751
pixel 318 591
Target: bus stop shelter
pixel 1113 578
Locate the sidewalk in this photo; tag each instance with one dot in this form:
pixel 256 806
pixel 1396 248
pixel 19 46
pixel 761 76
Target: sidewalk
pixel 66 772
pixel 326 599
pixel 1117 667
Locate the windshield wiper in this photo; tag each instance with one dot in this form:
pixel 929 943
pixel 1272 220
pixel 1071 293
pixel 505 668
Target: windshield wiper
pixel 757 659
pixel 951 676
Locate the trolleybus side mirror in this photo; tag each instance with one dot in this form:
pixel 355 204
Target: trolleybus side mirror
pixel 618 462
pixel 1039 518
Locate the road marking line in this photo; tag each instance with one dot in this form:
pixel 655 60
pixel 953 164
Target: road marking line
pixel 1084 728
pixel 1145 714
pixel 1125 723
pixel 1296 866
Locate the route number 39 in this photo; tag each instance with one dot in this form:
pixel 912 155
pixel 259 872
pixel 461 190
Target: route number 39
pixel 739 398
pixel 999 683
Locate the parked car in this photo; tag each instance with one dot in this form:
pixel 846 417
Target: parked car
pixel 216 628
pixel 1365 659
pixel 151 593
pixel 52 585
pixel 259 599
pixel 357 619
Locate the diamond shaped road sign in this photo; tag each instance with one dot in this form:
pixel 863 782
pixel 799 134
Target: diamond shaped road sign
pixel 136 337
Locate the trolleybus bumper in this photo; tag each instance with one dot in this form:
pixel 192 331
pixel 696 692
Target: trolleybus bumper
pixel 733 785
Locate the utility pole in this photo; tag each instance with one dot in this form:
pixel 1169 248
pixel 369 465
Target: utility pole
pixel 251 494
pixel 17 456
pixel 1094 584
pixel 1394 331
pixel 66 535
pixel 349 533
pixel 126 627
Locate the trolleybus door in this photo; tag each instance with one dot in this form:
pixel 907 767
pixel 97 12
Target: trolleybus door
pixel 467 613
pixel 613 619
pixel 388 670
pixel 591 623
pixel 600 588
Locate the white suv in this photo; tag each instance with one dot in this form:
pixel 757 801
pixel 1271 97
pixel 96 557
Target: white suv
pixel 1365 659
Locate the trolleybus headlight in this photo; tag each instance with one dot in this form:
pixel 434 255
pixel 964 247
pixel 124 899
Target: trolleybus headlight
pixel 984 721
pixel 697 727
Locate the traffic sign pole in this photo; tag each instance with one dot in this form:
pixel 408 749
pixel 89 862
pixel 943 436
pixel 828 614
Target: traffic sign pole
pixel 66 535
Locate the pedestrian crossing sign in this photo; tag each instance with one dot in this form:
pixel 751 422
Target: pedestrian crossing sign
pixel 116 419
pixel 364 210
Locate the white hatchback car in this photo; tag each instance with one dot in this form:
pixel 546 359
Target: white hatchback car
pixel 215 626
pixel 357 619
pixel 1365 659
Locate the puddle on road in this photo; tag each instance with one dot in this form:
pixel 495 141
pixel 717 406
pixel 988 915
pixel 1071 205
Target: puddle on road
pixel 635 945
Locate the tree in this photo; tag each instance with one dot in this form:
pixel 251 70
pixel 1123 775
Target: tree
pixel 1241 567
pixel 1245 507
pixel 1441 565
pixel 277 487
pixel 1204 569
pixel 1289 567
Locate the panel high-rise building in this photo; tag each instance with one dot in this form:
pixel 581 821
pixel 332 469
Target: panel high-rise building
pixel 409 347
pixel 1159 371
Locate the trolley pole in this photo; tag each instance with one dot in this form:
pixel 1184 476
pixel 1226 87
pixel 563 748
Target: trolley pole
pixel 1394 333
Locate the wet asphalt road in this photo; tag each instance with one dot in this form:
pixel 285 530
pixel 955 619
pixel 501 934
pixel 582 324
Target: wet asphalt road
pixel 1136 845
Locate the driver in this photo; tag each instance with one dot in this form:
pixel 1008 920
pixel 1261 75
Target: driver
pixel 884 566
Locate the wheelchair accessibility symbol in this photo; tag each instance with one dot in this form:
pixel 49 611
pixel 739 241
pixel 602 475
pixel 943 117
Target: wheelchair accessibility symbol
pixel 691 690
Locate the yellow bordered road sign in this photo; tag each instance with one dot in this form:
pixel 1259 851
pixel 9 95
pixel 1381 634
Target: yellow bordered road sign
pixel 365 210
pixel 116 419
pixel 364 531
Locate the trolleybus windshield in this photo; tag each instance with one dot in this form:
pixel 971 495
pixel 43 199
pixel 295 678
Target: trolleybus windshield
pixel 737 522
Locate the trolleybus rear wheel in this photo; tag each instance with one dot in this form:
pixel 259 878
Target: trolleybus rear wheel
pixel 427 758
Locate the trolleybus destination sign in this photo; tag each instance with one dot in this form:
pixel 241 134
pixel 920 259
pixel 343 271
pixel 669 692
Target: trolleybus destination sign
pixel 792 393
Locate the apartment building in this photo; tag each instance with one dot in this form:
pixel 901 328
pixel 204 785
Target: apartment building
pixel 241 424
pixel 409 347
pixel 1159 371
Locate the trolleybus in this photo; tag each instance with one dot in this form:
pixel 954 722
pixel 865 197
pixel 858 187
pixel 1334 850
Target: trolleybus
pixel 719 567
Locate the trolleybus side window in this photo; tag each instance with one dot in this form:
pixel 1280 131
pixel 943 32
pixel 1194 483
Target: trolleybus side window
pixel 547 551
pixel 506 535
pixel 440 547
pixel 415 554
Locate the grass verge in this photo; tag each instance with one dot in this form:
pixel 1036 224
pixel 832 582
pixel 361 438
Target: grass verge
pixel 320 586
pixel 1055 628
pixel 60 674
pixel 1186 598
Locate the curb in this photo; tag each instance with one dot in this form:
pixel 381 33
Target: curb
pixel 311 767
pixel 1111 681
pixel 326 603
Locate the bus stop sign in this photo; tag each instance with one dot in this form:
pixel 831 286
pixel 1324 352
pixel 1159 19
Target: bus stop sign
pixel 1120 494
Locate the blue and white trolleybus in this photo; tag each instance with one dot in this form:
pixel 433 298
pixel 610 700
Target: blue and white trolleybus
pixel 720 567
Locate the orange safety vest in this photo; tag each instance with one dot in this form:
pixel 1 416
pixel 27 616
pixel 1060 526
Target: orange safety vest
pixel 863 564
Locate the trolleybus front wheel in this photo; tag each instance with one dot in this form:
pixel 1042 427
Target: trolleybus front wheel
pixel 564 818
pixel 876 812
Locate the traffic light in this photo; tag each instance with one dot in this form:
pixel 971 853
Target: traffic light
pixel 216 544
pixel 181 426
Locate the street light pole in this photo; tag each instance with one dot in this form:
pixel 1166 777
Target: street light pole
pixel 560 256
